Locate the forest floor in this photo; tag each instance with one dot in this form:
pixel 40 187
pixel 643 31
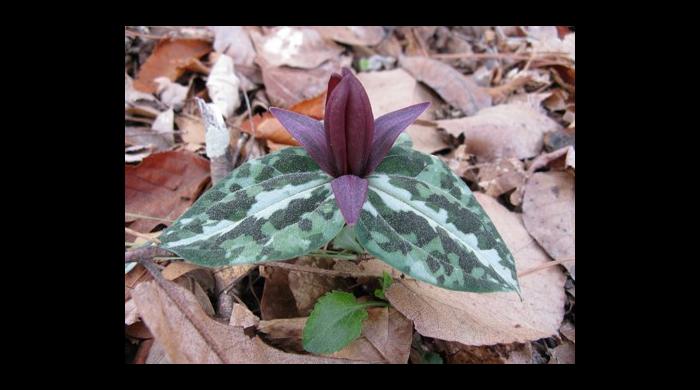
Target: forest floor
pixel 502 119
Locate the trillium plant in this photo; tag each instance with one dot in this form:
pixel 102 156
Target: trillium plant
pixel 356 182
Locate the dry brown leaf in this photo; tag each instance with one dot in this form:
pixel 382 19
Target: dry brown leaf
pixel 146 137
pixel 163 186
pixel 226 275
pixel 457 89
pixel 138 330
pixel 277 299
pixel 269 128
pixel 157 354
pixel 192 131
pixel 395 89
pixel 137 275
pixel 549 213
pixel 501 176
pixel 568 329
pixel 390 332
pixel 516 353
pixel 131 315
pixel 285 333
pixel 234 42
pixel 462 163
pixel 241 316
pixel 359 350
pixel 486 319
pixel 286 86
pixel 307 287
pixel 188 335
pixel 563 354
pixel 168 60
pixel 297 47
pixel 353 35
pixel 503 131
pixel 200 295
pixel 178 268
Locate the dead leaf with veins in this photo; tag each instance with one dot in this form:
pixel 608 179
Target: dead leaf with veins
pixel 503 131
pixel 189 335
pixel 549 213
pixel 456 88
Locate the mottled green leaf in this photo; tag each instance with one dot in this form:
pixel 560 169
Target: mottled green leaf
pixel 423 220
pixel 335 322
pixel 274 208
pixel 347 239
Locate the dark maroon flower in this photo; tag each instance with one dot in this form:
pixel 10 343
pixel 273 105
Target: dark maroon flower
pixel 349 144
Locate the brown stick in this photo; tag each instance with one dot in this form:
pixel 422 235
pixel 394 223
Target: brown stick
pixel 147 253
pixel 320 271
pixel 543 266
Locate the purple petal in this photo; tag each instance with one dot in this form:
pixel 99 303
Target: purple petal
pixel 359 124
pixel 309 132
pixel 334 125
pixel 350 194
pixel 332 83
pixel 387 128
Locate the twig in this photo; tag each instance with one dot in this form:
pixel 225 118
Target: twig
pixel 142 235
pixel 484 56
pixel 147 217
pixel 147 253
pixel 543 266
pixel 321 271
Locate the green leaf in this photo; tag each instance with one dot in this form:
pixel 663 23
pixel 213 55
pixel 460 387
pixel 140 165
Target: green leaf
pixel 404 140
pixel 386 283
pixel 347 239
pixel 423 220
pixel 335 322
pixel 274 208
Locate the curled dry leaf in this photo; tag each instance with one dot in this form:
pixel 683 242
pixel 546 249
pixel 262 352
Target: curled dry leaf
pixel 223 85
pixel 457 89
pixel 392 90
pixel 169 58
pixel 503 131
pixel 171 93
pixel 163 186
pixel 269 128
pixel 549 213
pixel 486 319
pixel 297 47
pixel 286 86
pixel 353 35
pixel 188 335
